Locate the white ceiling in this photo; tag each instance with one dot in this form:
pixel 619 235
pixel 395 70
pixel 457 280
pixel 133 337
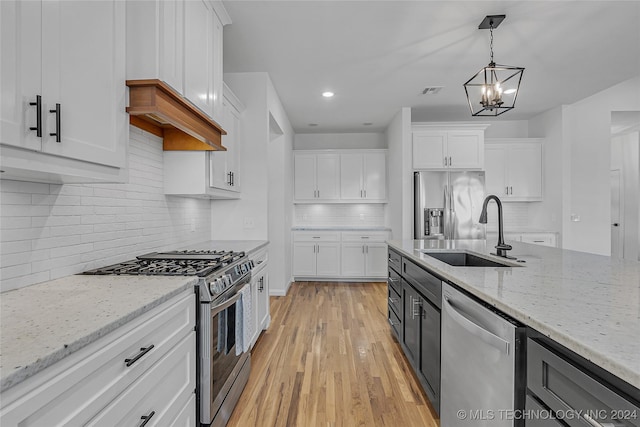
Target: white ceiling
pixel 378 56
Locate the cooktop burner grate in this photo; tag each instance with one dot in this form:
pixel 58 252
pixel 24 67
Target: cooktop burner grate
pixel 175 263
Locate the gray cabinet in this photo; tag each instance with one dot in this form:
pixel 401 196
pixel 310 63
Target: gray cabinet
pixel 421 293
pixel 566 388
pixel 394 289
pixel 538 416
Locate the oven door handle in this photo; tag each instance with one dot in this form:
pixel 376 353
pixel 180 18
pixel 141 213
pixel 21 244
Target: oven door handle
pixel 228 303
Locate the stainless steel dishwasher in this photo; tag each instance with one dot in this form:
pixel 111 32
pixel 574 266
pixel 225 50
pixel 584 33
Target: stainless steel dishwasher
pixel 483 373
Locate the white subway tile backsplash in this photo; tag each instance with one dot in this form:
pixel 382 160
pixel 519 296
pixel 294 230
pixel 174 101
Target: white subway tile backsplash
pixel 368 215
pixel 49 230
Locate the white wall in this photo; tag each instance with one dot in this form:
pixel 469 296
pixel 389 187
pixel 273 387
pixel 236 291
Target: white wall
pixel 399 177
pixel 320 141
pixel 586 151
pixel 50 231
pixel 548 214
pixel 228 216
pixel 267 140
pixel 280 161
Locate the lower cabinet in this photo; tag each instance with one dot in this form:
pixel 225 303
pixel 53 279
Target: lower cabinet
pixel 332 254
pixel 421 327
pixel 145 368
pixel 260 294
pixel 565 387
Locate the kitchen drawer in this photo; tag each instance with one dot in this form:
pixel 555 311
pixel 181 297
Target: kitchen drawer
pixel 394 281
pixel 369 236
pixel 426 283
pixel 80 385
pixel 316 236
pixel 538 416
pixel 395 260
pixel 396 324
pixel 395 301
pixel 160 393
pixel 187 416
pixel 564 387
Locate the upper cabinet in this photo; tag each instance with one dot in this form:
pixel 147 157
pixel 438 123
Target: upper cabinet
pixel 209 174
pixel 448 147
pixel 513 169
pixel 340 176
pixel 363 176
pixel 63 95
pixel 225 165
pixel 316 177
pixel 180 43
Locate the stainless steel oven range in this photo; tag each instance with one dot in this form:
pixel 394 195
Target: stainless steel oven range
pixel 223 361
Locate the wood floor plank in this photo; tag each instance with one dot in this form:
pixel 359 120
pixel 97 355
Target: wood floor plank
pixel 329 359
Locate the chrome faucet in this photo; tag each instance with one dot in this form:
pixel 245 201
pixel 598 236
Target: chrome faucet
pixel 501 247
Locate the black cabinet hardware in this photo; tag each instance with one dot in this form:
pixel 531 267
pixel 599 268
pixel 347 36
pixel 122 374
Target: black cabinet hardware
pixel 57 133
pixel 143 351
pixel 38 105
pixel 146 418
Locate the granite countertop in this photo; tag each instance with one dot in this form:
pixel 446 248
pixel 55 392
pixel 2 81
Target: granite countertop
pixel 43 323
pixel 338 228
pixel 585 302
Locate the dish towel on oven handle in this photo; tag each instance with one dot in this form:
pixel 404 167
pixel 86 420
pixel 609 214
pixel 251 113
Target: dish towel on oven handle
pixel 244 326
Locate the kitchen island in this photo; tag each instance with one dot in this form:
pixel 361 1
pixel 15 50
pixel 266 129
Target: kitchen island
pixel 585 305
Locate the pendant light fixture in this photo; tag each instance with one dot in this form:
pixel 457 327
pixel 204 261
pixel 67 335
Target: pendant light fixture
pixel 493 90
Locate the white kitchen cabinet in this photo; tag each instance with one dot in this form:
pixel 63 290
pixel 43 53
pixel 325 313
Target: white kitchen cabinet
pixel 440 147
pixel 180 43
pixel 316 177
pixel 316 254
pixel 259 294
pixel 198 54
pixel 363 176
pixel 513 169
pixel 70 55
pixel 261 271
pixel 364 254
pixel 543 239
pixel 209 174
pixel 148 364
pixel 535 237
pixel 225 173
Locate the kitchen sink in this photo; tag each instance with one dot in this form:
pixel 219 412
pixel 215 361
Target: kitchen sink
pixel 464 259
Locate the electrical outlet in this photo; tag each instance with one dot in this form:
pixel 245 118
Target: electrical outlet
pixel 249 222
pixel 575 217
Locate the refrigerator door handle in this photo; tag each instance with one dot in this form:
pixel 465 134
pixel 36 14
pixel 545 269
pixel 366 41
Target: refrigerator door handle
pixel 445 213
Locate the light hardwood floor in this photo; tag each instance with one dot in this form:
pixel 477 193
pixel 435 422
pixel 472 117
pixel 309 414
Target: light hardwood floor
pixel 329 359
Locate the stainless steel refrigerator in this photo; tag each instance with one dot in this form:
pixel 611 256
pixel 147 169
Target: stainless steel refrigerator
pixel 447 205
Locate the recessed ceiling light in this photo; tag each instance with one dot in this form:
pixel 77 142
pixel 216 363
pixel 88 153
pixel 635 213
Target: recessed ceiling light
pixel 328 94
pixel 367 124
pixel 313 124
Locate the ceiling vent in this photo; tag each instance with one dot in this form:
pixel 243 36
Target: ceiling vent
pixel 432 90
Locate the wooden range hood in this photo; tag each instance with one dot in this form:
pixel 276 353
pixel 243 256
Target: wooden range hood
pixel 156 107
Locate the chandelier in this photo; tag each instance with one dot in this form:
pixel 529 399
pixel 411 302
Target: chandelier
pixel 493 90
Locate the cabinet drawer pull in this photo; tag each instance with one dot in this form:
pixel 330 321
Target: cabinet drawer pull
pixel 57 133
pixel 143 351
pixel 392 323
pixel 38 105
pixel 145 418
pixel 393 300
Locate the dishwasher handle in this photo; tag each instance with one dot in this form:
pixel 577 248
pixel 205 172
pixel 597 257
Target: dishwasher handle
pixel 475 329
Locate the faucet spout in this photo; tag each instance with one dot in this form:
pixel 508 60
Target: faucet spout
pixel 501 247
